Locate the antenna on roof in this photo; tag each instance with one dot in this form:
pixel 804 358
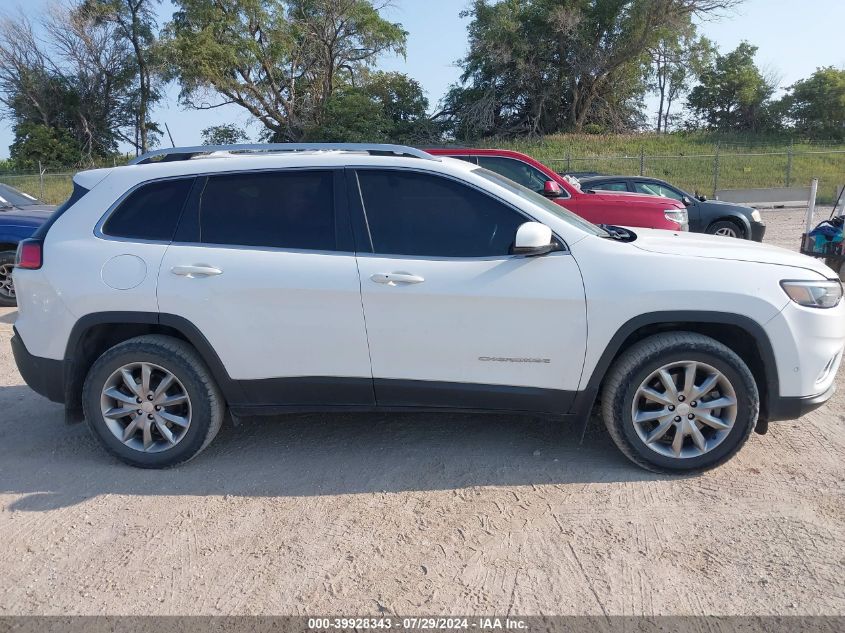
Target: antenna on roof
pixel 167 127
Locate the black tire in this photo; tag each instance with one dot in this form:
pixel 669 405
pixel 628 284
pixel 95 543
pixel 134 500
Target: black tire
pixel 7 292
pixel 727 226
pixel 636 364
pixel 181 360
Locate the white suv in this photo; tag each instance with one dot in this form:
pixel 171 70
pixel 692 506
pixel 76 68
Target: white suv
pixel 270 279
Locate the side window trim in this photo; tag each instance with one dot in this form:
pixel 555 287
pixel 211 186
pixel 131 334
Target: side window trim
pixel 363 240
pixel 355 192
pixel 98 228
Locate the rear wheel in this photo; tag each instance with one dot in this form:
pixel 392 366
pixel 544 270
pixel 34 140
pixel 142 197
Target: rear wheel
pixel 7 288
pixel 152 402
pixel 680 402
pixel 726 228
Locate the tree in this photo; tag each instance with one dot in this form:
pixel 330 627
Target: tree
pixel 539 66
pixel 816 105
pixel 385 107
pixel 135 21
pixel 403 104
pixel 733 94
pixel 226 134
pixel 38 145
pixel 66 81
pixel 679 56
pixel 281 60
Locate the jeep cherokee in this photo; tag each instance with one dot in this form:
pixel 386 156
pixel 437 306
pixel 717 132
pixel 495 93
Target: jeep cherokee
pixel 278 278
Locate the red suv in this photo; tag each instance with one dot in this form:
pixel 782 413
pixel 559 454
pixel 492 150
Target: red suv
pixel 601 207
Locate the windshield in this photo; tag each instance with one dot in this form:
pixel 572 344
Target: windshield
pixel 540 201
pixel 9 196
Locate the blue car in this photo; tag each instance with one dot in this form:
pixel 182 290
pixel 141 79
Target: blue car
pixel 20 216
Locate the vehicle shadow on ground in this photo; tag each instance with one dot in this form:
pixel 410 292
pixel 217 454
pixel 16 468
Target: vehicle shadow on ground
pixel 9 318
pixel 56 465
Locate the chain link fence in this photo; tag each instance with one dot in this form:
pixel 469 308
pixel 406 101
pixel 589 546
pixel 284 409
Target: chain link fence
pixel 704 173
pixel 708 173
pixel 52 188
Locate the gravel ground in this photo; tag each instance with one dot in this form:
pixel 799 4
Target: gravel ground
pixel 417 514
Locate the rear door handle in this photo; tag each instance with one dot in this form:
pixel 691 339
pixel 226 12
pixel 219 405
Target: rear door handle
pixel 394 279
pixel 196 271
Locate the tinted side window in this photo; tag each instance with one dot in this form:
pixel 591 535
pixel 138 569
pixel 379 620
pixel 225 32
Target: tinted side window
pixel 420 214
pixel 151 212
pixel 516 170
pixel 607 186
pixel 292 209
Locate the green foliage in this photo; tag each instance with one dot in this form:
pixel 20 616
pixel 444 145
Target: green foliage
pixel 37 143
pixel 226 134
pixel 281 60
pixel 733 94
pixel 66 83
pixel 351 116
pixel 816 105
pixel 679 56
pixel 387 107
pixel 540 66
pixel 135 22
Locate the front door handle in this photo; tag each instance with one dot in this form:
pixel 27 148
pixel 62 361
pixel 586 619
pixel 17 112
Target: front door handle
pixel 394 279
pixel 196 271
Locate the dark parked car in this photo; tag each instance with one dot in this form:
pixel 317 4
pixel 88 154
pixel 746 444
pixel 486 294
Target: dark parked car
pixel 705 216
pixel 20 216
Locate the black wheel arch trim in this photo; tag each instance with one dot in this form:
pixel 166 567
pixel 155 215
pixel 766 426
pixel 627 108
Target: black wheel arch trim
pixel 586 397
pixel 736 218
pixel 231 389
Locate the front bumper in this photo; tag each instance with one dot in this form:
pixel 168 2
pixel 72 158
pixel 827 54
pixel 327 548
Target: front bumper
pixel 781 408
pixel 45 376
pixel 758 230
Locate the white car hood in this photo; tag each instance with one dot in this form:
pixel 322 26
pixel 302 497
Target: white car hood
pixel 719 247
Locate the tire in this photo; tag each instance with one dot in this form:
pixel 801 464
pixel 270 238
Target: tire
pixel 196 396
pixel 677 351
pixel 7 289
pixel 727 228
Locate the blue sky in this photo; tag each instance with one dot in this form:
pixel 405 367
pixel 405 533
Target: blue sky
pixel 793 42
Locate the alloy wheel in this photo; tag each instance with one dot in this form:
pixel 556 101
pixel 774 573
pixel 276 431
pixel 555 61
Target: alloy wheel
pixel 7 288
pixel 726 231
pixel 146 407
pixel 684 409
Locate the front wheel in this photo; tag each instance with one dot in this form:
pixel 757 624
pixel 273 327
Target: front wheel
pixel 152 402
pixel 680 402
pixel 726 228
pixel 7 288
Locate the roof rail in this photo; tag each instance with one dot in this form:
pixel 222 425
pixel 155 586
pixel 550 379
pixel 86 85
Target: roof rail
pixel 186 153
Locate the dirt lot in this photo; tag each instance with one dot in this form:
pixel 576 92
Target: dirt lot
pixel 417 514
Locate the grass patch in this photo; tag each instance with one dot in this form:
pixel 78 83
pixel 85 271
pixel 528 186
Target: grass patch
pixel 56 187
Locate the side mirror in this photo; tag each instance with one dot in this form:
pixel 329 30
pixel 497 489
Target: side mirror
pixel 551 189
pixel 687 202
pixel 702 198
pixel 532 239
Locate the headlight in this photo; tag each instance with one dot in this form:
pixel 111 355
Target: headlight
pixel 814 294
pixel 755 215
pixel 678 216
